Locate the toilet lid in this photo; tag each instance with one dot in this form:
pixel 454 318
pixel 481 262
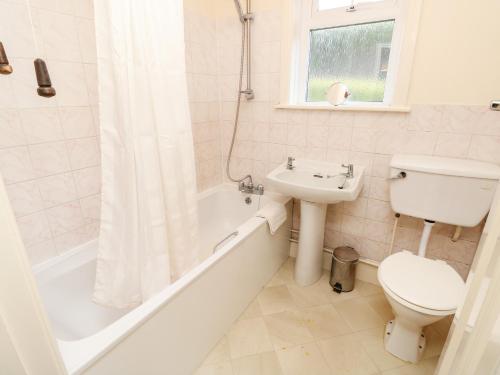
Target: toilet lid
pixel 424 282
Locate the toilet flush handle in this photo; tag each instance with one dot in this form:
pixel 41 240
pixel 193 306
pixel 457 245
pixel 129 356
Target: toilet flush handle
pixel 400 175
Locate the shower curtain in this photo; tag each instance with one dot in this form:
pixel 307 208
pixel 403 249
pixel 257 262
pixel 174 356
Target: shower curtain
pixel 148 235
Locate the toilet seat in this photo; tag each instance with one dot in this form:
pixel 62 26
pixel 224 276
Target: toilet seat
pixel 425 285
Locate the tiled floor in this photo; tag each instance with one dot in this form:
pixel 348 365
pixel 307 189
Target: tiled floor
pixel 290 330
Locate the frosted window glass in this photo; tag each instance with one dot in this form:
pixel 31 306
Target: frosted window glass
pixel 357 55
pixel 332 4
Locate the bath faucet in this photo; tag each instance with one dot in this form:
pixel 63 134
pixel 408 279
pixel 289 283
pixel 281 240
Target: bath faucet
pixel 289 164
pixel 350 170
pixel 250 188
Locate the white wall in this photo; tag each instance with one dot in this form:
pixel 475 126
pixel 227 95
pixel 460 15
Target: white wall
pixel 457 57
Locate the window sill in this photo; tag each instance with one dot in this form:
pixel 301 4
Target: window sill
pixel 350 107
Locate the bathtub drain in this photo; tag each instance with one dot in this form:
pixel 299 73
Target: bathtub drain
pixel 248 200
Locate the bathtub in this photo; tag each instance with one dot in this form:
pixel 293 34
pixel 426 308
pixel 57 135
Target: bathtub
pixel 172 332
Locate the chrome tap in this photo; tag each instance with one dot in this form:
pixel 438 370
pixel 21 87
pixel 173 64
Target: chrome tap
pixel 289 164
pixel 250 188
pixel 350 170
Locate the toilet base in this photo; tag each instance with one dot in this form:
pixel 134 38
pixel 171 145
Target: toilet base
pixel 404 341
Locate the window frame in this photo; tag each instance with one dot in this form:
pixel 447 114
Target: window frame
pixel 304 16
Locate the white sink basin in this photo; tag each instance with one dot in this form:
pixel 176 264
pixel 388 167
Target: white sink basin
pixel 316 184
pixel 316 181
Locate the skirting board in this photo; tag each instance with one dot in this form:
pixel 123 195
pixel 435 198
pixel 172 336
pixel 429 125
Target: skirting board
pixel 366 270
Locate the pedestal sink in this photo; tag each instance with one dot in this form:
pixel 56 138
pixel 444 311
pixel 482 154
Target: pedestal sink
pixel 316 184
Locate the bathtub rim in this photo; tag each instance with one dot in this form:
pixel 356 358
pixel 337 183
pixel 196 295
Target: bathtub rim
pixel 79 355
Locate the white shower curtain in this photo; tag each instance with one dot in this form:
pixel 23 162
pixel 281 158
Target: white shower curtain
pixel 148 236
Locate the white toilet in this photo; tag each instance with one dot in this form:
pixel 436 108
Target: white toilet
pixel 422 291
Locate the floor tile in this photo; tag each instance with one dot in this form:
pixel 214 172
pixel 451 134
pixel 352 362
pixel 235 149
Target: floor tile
pixel 259 364
pixel 252 311
pixel 287 329
pixel 304 359
pixel 218 369
pixel 284 275
pixel 344 355
pixel 372 341
pixel 219 354
pixel 379 303
pixel 275 299
pixel 443 326
pixel 317 294
pixel 367 289
pixel 434 342
pixel 424 367
pixel 248 337
pixel 359 314
pixel 324 322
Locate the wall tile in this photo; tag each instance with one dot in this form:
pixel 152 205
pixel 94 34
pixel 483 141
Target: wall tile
pixel 17 36
pixel 49 158
pixel 15 164
pixel 65 218
pixel 25 198
pixel 77 122
pixel 83 152
pixel 86 37
pixel 339 138
pixel 59 36
pixel 34 228
pixel 57 189
pixel 11 131
pixel 68 78
pixel 485 148
pixel 453 145
pixel 88 181
pixel 41 125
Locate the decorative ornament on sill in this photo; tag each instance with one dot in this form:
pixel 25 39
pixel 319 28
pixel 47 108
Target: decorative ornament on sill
pixel 5 67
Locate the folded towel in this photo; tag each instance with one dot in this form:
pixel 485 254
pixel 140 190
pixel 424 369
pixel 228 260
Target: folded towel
pixel 275 214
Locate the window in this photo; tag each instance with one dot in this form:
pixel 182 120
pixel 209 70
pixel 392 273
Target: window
pixel 357 55
pixel 366 44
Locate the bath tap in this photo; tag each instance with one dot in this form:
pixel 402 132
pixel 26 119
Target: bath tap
pixel 289 164
pixel 250 188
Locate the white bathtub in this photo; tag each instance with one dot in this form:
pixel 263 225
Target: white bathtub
pixel 172 332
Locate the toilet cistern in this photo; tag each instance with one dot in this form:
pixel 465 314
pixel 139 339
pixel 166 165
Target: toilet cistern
pixel 422 291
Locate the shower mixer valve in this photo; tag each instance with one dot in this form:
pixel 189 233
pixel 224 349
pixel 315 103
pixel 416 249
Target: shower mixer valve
pixel 250 188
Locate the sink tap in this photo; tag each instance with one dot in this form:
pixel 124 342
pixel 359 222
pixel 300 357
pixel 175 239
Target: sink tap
pixel 350 170
pixel 289 164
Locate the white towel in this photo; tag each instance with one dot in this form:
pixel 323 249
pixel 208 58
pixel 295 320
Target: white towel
pixel 275 214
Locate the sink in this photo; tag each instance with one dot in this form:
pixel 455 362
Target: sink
pixel 316 184
pixel 316 181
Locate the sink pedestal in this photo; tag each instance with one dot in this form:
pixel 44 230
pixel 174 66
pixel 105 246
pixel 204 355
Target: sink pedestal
pixel 309 264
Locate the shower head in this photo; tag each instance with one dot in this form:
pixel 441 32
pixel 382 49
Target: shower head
pixel 239 10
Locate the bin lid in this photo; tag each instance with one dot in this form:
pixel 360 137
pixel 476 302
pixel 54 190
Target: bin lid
pixel 346 254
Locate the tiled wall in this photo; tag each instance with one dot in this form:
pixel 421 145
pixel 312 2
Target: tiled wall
pixel 49 153
pixel 201 65
pixel 267 136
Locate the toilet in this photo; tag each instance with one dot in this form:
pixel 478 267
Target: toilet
pixel 420 290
